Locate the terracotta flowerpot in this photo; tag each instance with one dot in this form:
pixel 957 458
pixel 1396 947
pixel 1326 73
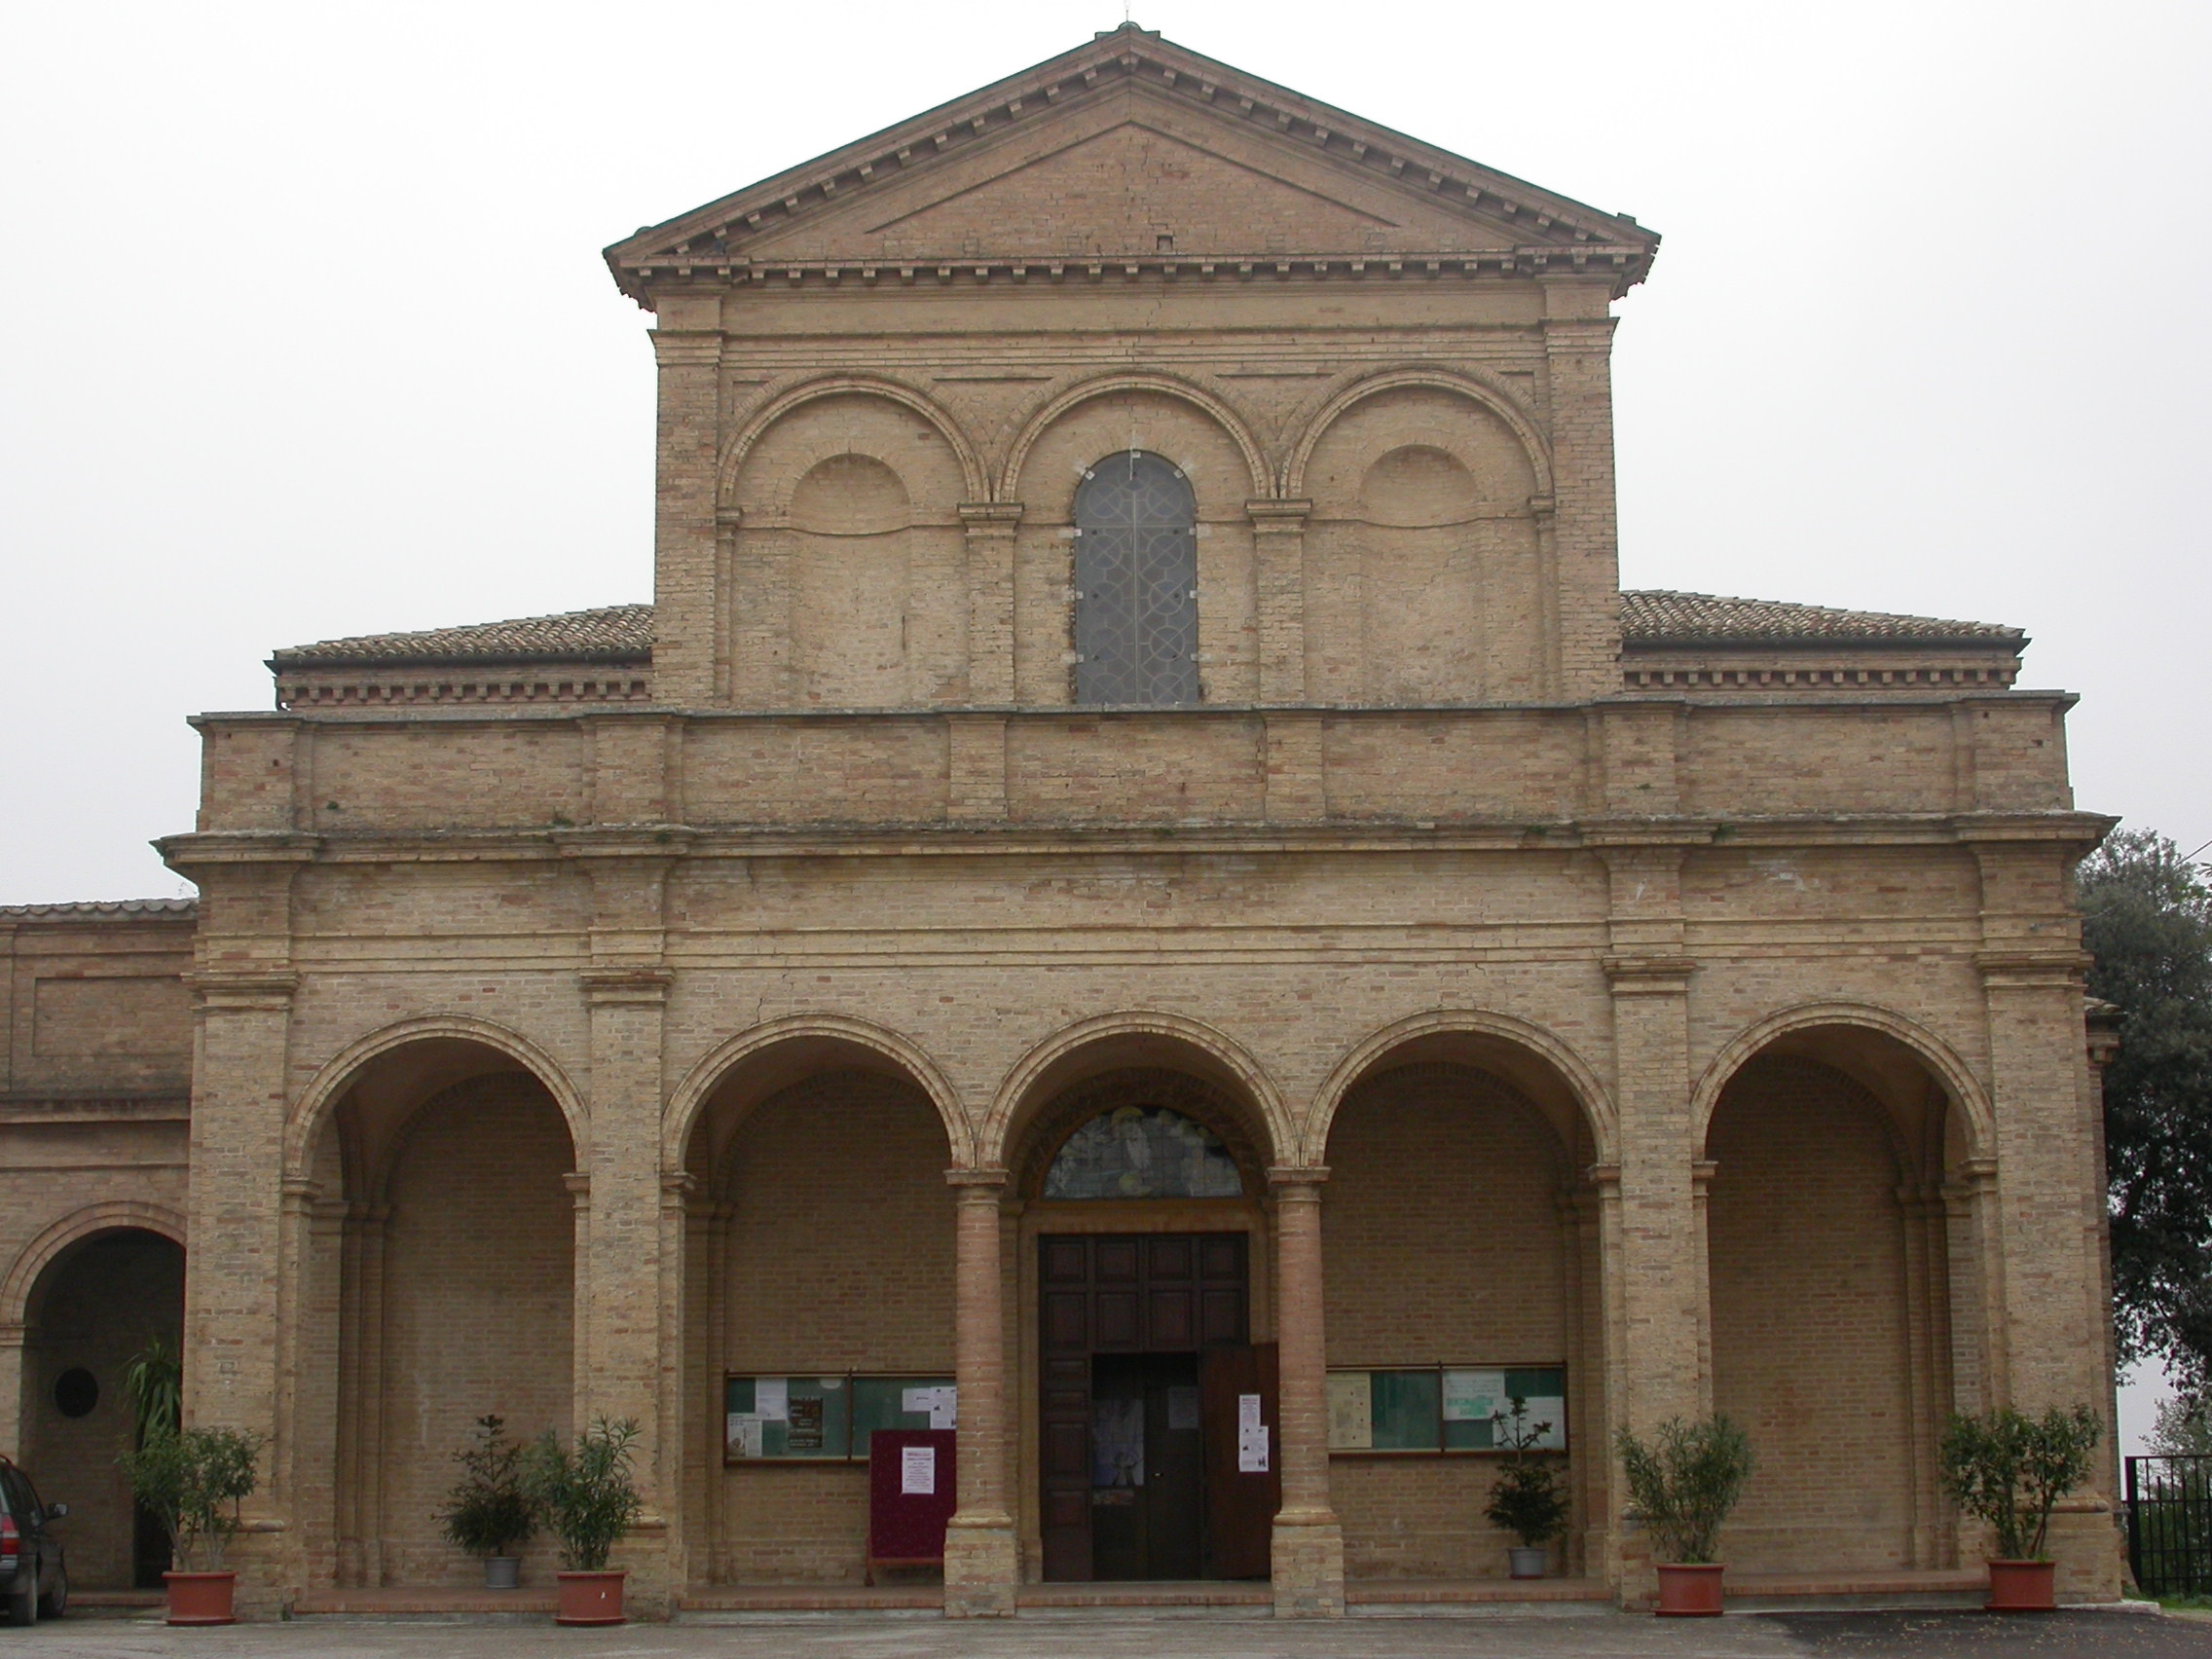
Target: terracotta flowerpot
pixel 1688 1591
pixel 201 1598
pixel 590 1598
pixel 2021 1587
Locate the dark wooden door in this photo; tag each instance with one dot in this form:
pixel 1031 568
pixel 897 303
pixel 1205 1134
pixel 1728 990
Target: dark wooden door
pixel 1118 1294
pixel 1240 1504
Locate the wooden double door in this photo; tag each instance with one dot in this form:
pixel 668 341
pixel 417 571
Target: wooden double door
pixel 1149 1386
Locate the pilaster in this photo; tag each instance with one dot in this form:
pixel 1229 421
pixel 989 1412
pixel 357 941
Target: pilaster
pixel 990 541
pixel 1307 1554
pixel 1278 559
pixel 982 1557
pixel 690 643
pixel 1584 544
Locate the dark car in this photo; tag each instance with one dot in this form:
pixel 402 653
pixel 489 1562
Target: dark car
pixel 33 1575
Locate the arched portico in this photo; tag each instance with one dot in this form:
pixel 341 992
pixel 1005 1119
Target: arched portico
pixel 1841 1205
pixel 1464 1271
pixel 436 1201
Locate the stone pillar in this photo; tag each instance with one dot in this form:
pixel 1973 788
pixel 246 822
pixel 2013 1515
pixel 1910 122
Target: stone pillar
pixel 619 1256
pixel 1307 1559
pixel 983 1559
pixel 990 527
pixel 1656 1287
pixel 1278 560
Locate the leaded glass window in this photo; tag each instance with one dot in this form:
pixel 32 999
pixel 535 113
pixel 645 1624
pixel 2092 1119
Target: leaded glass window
pixel 1143 1152
pixel 1136 578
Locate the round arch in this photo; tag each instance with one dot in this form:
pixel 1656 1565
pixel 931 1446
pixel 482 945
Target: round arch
pixel 1229 421
pixel 732 458
pixel 113 1216
pixel 1368 1056
pixel 709 1073
pixel 1939 1057
pixel 1494 399
pixel 1027 1088
pixel 337 1074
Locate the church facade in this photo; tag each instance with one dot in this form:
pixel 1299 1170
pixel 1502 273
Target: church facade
pixel 1140 892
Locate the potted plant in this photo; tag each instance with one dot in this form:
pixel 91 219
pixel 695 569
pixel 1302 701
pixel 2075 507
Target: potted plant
pixel 2011 1470
pixel 487 1513
pixel 586 1496
pixel 1683 1486
pixel 1527 1500
pixel 193 1480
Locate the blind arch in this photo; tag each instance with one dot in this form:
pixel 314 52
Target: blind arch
pixel 1137 577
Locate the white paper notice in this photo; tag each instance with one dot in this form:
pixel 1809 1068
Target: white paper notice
pixel 1352 1412
pixel 1247 1412
pixel 772 1399
pixel 743 1435
pixel 915 1399
pixel 1252 1451
pixel 917 1469
pixel 944 1407
pixel 1470 1396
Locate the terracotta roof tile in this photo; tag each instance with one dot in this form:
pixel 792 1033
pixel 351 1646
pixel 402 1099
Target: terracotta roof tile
pixel 1653 617
pixel 104 908
pixel 614 632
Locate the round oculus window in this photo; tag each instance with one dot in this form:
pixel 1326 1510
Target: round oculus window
pixel 76 1391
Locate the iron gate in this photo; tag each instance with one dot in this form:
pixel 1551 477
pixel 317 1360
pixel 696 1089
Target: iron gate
pixel 2169 1524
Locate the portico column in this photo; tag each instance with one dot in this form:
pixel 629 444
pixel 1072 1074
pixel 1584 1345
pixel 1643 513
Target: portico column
pixel 982 1563
pixel 1308 1554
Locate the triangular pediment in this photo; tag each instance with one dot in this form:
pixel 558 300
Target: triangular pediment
pixel 1129 147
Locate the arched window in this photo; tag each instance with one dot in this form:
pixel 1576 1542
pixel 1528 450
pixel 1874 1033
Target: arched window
pixel 1143 1152
pixel 1136 577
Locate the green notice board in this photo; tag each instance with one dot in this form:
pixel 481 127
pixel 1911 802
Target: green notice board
pixel 1445 1408
pixel 827 1417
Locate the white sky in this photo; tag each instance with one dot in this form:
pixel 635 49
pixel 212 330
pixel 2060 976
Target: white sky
pixel 304 330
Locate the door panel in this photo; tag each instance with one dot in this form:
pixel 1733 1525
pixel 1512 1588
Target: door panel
pixel 1155 1300
pixel 1241 1506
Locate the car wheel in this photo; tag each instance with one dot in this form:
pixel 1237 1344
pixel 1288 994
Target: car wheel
pixel 55 1601
pixel 22 1608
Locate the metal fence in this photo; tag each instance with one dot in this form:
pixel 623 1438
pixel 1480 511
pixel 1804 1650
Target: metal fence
pixel 2169 1524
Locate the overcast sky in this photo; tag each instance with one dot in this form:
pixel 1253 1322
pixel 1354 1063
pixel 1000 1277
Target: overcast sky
pixel 304 329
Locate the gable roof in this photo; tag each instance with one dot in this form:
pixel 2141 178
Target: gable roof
pixel 1511 222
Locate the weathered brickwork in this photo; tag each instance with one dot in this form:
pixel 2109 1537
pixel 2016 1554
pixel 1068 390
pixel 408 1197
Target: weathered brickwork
pixel 1684 990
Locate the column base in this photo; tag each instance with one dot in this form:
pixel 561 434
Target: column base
pixel 982 1568
pixel 1307 1563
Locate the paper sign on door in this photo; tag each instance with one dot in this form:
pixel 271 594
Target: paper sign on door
pixel 917 1469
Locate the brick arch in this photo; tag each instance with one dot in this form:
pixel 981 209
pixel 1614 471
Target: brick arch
pixel 113 1216
pixel 337 1074
pixel 707 1076
pixel 1491 399
pixel 1106 386
pixel 1373 1056
pixel 1941 1061
pixel 731 461
pixel 1167 1040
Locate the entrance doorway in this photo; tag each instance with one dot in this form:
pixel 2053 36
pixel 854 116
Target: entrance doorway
pixel 1149 1382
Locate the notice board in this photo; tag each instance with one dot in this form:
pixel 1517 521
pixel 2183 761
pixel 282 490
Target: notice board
pixel 912 1488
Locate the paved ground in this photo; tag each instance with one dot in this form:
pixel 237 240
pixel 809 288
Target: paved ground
pixel 1817 1635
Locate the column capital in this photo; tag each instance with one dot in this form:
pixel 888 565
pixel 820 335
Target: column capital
pixel 267 990
pixel 1271 515
pixel 2043 969
pixel 1649 976
pixel 641 984
pixel 990 518
pixel 1299 1182
pixel 985 1183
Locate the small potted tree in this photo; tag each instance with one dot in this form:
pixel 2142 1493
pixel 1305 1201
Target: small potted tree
pixel 487 1513
pixel 2011 1470
pixel 1527 1500
pixel 588 1500
pixel 194 1481
pixel 1683 1486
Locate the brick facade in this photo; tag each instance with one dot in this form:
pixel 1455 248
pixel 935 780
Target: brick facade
pixel 1543 955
